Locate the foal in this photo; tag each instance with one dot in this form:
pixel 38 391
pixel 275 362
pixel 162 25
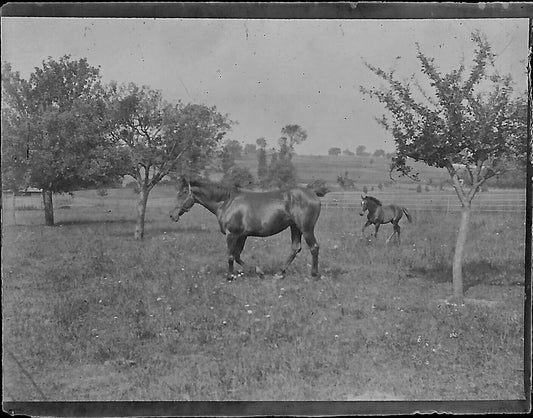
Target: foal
pixel 379 214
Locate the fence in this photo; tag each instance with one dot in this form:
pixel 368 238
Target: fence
pixel 497 201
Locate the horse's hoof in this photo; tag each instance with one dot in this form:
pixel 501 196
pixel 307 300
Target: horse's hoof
pixel 230 277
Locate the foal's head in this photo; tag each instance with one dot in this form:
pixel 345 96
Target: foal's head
pixel 368 203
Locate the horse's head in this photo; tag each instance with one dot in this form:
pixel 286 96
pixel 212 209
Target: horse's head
pixel 185 201
pixel 363 205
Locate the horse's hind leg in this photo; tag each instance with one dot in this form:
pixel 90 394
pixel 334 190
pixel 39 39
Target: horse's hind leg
pixel 296 247
pixel 396 231
pixel 313 248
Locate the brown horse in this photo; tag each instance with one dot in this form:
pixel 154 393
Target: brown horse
pixel 379 214
pixel 242 214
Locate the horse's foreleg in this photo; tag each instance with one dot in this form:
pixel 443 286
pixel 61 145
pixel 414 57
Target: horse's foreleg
pixel 367 223
pixel 296 247
pixel 376 231
pixel 314 248
pixel 231 241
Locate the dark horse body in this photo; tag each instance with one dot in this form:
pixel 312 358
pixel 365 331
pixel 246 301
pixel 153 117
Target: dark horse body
pixel 242 214
pixel 379 214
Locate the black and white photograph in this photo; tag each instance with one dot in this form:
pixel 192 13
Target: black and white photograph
pixel 265 209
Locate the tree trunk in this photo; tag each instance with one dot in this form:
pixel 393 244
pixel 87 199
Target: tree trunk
pixel 14 209
pixel 48 208
pixel 457 268
pixel 141 212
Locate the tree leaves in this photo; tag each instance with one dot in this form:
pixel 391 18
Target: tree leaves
pixel 158 137
pixel 58 115
pixel 473 122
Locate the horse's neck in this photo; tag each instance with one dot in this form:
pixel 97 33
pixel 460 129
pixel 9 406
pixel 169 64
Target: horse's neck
pixel 373 208
pixel 210 199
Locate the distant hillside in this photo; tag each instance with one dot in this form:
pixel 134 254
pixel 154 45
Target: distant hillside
pixel 365 171
pixel 368 171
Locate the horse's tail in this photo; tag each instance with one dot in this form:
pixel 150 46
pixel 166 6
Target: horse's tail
pixel 404 210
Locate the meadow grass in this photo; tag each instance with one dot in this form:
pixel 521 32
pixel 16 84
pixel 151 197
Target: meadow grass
pixel 91 314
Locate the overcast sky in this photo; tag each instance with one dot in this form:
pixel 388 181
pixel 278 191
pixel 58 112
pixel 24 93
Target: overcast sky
pixel 267 73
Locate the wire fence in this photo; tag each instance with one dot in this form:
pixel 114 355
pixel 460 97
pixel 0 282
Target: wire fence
pixel 447 201
pixel 500 201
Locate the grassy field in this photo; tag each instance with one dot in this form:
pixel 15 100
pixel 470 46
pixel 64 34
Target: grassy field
pixel 91 314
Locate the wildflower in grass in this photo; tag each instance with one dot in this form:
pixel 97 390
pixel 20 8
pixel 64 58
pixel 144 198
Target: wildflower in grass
pixel 250 311
pixel 159 298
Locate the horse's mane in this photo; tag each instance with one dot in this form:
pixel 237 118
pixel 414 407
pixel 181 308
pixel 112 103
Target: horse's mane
pixel 373 199
pixel 214 189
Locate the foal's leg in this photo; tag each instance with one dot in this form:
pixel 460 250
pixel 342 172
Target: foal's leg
pixel 377 229
pixel 296 247
pixel 367 223
pixel 397 229
pixel 313 247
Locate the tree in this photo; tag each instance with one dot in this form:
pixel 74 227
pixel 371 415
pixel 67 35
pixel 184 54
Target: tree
pixel 295 135
pixel 55 128
pixel 227 159
pixel 379 153
pixel 348 152
pixel 282 172
pixel 238 176
pixel 470 123
pixel 334 151
pixel 262 168
pixel 234 148
pixel 361 151
pixel 250 149
pixel 157 138
pixel 261 142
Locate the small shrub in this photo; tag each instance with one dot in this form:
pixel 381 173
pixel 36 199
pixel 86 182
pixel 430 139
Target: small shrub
pixel 102 192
